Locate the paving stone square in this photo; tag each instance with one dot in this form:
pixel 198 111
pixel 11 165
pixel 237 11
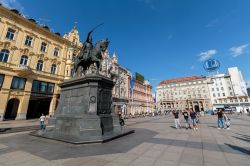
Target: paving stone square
pixel 154 143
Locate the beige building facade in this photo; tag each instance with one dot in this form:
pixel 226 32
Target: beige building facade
pixel 188 92
pixel 33 61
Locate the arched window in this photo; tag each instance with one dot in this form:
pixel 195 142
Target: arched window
pixel 56 51
pixel 4 55
pixel 24 60
pixel 39 65
pixel 53 69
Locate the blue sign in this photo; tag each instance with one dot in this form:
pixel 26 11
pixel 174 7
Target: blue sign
pixel 211 65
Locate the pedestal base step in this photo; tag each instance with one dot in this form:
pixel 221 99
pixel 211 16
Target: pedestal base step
pixel 69 139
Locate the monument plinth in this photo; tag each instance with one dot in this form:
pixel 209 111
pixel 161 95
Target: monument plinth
pixel 85 113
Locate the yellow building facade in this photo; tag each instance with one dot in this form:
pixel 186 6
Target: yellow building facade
pixel 33 61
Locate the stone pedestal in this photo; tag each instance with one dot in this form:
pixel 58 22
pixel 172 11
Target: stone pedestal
pixel 85 112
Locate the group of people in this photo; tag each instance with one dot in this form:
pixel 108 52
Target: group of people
pixel 223 120
pixel 191 117
pixel 43 118
pixel 188 115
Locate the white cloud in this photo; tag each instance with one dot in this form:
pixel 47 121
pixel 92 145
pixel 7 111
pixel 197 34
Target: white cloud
pixel 149 3
pixel 212 23
pixel 237 51
pixel 207 54
pixel 192 67
pixel 12 4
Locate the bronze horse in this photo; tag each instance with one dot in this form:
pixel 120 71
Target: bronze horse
pixel 95 57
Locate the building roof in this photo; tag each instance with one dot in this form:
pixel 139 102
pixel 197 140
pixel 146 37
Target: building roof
pixel 183 79
pixel 30 21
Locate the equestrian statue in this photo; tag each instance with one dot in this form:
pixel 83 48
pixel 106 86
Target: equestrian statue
pixel 90 54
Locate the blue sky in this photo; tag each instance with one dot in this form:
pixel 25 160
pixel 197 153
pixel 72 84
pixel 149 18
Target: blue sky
pixel 161 39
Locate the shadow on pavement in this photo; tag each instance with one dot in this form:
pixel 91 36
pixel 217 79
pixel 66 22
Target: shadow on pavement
pixel 240 149
pixel 227 148
pixel 53 150
pixel 242 137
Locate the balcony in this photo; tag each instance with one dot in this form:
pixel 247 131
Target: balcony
pixel 22 70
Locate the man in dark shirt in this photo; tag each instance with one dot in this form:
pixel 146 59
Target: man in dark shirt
pixel 186 118
pixel 176 119
pixel 194 119
pixel 220 119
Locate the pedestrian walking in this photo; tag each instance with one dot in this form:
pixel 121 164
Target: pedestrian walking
pixel 193 116
pixel 220 119
pixel 186 118
pixel 42 122
pixel 176 119
pixel 227 122
pixel 240 113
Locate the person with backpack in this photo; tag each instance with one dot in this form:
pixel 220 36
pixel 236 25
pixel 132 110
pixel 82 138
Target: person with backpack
pixel 194 119
pixel 186 118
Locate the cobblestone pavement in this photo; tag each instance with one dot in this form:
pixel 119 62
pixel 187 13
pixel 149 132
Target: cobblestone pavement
pixel 155 142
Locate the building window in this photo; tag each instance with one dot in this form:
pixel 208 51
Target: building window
pixel 39 65
pixel 212 89
pixel 10 34
pixel 218 95
pixel 229 88
pixel 42 87
pixel 223 94
pixel 43 47
pixel 28 41
pixel 4 55
pixel 53 69
pixel 222 88
pixel 1 80
pixel 51 88
pixel 56 52
pixel 73 57
pixel 231 93
pixel 217 89
pixel 18 83
pixel 214 95
pixel 35 86
pixel 24 60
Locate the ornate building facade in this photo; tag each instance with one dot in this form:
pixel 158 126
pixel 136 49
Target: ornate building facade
pixel 141 98
pixel 33 61
pixel 188 92
pixel 120 76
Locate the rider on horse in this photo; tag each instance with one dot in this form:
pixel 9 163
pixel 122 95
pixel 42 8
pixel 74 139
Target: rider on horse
pixel 87 47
